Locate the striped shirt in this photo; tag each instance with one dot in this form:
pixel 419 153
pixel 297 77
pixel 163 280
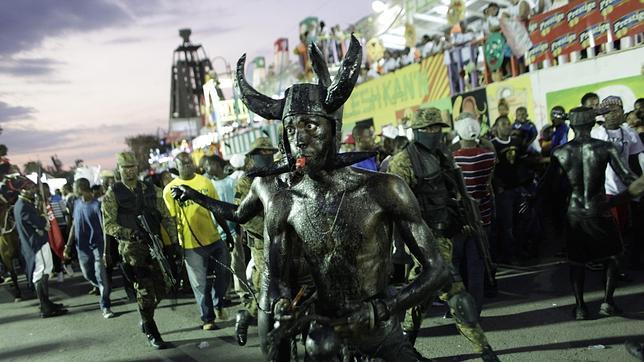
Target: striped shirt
pixel 477 164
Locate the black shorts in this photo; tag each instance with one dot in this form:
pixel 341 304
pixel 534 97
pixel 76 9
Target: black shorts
pixel 592 238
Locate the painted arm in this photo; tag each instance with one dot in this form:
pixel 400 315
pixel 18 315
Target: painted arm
pixel 623 172
pixel 635 185
pixel 275 296
pixel 249 207
pixel 401 204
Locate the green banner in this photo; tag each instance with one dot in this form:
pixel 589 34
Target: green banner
pixel 629 89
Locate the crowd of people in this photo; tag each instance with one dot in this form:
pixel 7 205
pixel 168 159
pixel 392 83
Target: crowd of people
pixel 462 46
pixel 318 226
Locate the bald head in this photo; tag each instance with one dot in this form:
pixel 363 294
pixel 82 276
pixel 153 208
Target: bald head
pixel 185 165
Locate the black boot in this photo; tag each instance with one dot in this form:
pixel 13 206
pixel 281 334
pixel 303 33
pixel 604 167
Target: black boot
pixel 46 308
pixel 242 321
pixel 154 337
pixel 45 285
pixel 488 355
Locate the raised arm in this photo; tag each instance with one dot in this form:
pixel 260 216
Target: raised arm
pixel 401 204
pixel 249 207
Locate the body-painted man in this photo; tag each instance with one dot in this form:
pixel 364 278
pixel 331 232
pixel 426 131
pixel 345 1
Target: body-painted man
pixel 428 168
pixel 592 234
pixel 122 204
pixel 339 218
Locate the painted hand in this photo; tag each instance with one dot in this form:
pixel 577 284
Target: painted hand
pixel 183 193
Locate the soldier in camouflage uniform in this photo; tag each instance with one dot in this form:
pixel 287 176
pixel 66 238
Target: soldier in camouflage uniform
pixel 260 155
pixel 122 203
pixel 423 165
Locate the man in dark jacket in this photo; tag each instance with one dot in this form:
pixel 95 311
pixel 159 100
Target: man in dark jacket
pixel 33 229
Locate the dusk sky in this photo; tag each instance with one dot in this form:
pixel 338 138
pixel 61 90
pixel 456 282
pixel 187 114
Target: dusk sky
pixel 78 76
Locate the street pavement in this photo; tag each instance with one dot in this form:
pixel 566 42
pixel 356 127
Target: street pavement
pixel 530 320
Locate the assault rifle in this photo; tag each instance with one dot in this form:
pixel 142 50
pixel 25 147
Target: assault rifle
pixel 471 213
pixel 156 251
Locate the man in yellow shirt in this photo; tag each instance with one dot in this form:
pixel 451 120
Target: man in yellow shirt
pixel 201 242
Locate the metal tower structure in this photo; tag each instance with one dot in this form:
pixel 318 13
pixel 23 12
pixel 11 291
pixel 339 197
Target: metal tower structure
pixel 190 65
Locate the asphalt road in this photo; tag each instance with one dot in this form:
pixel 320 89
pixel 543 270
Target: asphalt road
pixel 530 320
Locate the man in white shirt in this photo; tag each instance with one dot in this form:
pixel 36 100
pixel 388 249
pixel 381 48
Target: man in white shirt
pixel 628 144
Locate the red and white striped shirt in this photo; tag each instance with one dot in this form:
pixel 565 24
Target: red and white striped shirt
pixel 477 164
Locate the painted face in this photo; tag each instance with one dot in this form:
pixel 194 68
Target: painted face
pixel 128 173
pixel 185 166
pixel 615 117
pixel 311 139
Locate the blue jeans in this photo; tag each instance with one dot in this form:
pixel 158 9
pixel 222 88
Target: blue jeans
pixel 93 268
pixel 200 265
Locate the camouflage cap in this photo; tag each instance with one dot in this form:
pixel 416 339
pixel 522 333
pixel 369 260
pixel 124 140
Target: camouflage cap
pixel 261 143
pixel 126 159
pixel 426 117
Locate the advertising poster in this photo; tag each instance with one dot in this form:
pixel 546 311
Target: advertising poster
pixel 474 102
pixel 516 92
pixel 582 24
pixel 629 89
pixel 404 90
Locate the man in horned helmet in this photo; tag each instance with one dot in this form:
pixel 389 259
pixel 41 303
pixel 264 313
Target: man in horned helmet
pixel 340 219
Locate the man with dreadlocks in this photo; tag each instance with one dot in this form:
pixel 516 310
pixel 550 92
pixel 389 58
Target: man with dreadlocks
pixel 340 219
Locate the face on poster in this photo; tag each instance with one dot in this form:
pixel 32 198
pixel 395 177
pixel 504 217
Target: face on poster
pixel 474 102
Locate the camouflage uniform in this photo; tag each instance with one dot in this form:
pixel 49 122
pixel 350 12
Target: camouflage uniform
pixel 401 165
pixel 148 279
pixel 254 229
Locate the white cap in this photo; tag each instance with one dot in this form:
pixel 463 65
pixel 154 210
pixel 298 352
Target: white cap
pixel 389 131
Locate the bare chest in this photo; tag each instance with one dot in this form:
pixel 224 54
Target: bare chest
pixel 336 227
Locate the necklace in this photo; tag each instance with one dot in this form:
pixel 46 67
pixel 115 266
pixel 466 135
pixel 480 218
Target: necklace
pixel 329 232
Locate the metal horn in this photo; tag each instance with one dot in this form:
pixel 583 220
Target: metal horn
pixel 340 90
pixel 319 65
pixel 258 103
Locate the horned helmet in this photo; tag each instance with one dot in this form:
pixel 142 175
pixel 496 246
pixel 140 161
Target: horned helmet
pixel 324 99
